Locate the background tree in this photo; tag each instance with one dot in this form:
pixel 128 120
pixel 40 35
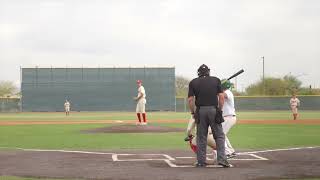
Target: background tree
pixel 7 88
pixel 271 86
pixel 275 86
pixel 182 84
pixel 292 84
pixel 309 91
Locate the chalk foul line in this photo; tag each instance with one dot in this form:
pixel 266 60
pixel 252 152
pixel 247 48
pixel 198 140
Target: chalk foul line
pixel 165 157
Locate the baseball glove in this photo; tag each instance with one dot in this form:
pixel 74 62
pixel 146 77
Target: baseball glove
pixel 189 138
pixel 219 118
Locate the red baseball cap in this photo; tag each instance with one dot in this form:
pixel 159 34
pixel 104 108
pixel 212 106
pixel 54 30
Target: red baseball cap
pixel 139 81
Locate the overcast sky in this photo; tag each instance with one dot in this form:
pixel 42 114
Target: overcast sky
pixel 227 35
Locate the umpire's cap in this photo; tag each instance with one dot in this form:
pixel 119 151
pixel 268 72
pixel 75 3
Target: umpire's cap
pixel 203 70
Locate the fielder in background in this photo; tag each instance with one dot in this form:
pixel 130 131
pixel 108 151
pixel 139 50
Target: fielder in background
pixel 294 104
pixel 141 104
pixel 229 115
pixel 67 107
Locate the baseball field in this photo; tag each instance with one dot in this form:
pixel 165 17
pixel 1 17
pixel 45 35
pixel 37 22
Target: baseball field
pixel 108 145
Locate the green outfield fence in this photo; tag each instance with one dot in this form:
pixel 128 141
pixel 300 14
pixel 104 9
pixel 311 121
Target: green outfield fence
pixel 275 102
pixel 244 103
pixel 96 89
pixel 248 103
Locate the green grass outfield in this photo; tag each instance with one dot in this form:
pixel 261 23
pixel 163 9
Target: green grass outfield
pixel 60 116
pixel 242 136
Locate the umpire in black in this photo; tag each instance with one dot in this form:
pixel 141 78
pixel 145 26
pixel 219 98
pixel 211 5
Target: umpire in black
pixel 206 89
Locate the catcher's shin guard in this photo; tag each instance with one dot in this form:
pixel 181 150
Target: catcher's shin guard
pixel 193 147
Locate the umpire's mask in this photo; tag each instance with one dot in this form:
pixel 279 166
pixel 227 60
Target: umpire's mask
pixel 203 70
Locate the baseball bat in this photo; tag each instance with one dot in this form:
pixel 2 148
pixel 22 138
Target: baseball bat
pixel 236 74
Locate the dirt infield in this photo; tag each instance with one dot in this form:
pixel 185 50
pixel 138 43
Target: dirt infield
pixel 27 122
pixel 158 165
pixel 130 128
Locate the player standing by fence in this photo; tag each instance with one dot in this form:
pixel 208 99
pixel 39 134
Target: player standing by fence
pixel 294 104
pixel 67 107
pixel 141 104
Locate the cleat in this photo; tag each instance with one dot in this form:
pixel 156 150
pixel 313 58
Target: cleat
pixel 232 155
pixel 200 165
pixel 225 164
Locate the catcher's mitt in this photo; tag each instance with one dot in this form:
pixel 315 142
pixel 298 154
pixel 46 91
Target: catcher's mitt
pixel 219 118
pixel 189 138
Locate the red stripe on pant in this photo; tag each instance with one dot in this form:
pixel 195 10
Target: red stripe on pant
pixel 138 115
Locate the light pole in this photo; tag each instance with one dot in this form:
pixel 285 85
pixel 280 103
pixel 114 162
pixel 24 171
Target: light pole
pixel 263 83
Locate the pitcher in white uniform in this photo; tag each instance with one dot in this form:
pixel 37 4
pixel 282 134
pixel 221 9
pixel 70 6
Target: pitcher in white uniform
pixel 141 104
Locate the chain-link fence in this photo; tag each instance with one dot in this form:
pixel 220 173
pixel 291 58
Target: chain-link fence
pixel 247 103
pixel 96 89
pixel 242 103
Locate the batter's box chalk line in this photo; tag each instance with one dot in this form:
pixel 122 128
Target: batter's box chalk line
pixel 118 157
pixel 164 157
pixel 171 161
pixel 254 157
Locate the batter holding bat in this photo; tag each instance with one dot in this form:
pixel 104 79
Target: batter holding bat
pixel 229 115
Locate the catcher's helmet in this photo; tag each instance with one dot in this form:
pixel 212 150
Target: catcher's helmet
pixel 226 84
pixel 203 70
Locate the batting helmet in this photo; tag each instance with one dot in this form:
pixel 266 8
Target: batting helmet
pixel 226 84
pixel 203 70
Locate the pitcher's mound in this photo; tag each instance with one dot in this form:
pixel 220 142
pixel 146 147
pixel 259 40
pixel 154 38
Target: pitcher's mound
pixel 129 128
